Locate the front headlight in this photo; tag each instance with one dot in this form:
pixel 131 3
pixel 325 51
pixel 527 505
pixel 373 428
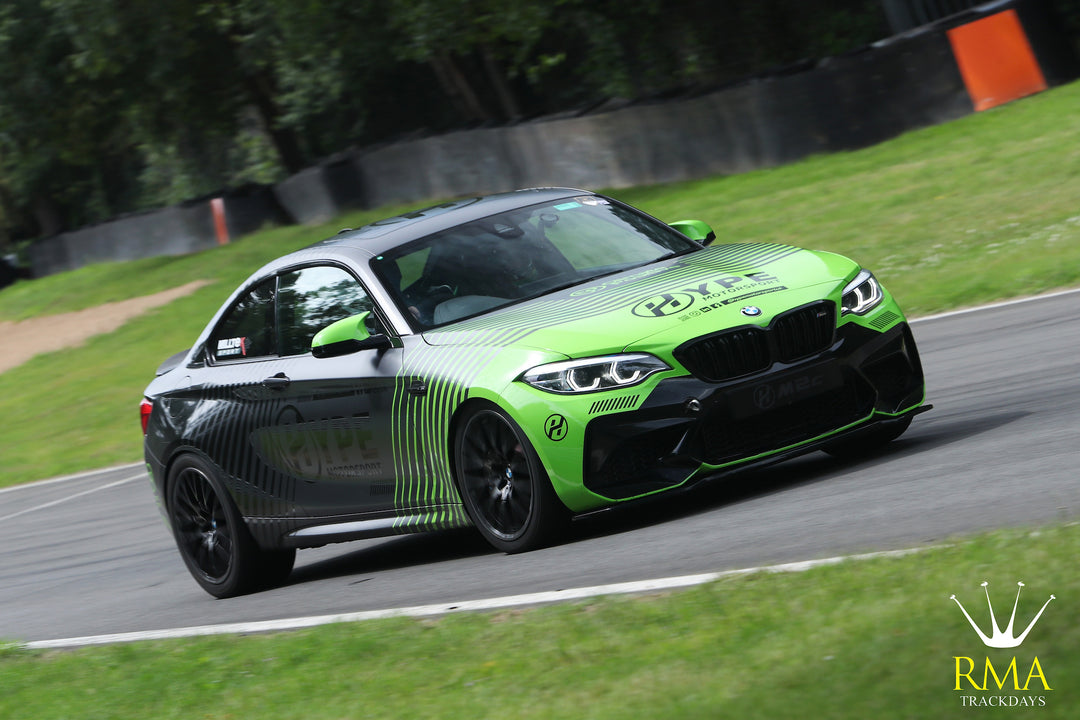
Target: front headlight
pixel 861 295
pixel 594 374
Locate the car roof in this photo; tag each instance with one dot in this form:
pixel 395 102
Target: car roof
pixel 356 247
pixel 388 233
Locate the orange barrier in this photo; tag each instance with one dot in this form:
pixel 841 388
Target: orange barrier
pixel 996 60
pixel 221 229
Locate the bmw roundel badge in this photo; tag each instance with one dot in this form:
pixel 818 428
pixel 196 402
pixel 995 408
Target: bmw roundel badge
pixel 751 311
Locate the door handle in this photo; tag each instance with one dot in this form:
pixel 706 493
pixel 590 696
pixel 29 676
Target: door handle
pixel 277 382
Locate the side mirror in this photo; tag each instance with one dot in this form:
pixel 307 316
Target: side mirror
pixel 347 336
pixel 695 230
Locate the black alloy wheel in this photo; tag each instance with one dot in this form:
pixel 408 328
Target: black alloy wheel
pixel 504 487
pixel 212 538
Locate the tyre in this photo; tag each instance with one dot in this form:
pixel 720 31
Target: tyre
pixel 505 489
pixel 212 537
pixel 870 441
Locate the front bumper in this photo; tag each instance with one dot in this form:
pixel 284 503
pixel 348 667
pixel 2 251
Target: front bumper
pixel 688 428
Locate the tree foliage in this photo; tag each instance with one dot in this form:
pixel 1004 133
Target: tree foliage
pixel 108 106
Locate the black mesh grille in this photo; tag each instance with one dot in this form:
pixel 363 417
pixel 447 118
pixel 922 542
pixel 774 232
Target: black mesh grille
pixel 742 351
pixel 726 355
pixel 804 332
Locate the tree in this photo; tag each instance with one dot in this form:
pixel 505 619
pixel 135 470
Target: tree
pixel 61 140
pixel 109 105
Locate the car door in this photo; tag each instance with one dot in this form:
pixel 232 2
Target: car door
pixel 224 401
pixel 331 426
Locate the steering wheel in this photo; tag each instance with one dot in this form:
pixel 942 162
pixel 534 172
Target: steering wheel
pixel 423 300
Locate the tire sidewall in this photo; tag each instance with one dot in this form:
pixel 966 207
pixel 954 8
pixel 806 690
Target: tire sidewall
pixel 544 507
pixel 232 583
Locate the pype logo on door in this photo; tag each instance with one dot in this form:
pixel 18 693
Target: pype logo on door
pixel 966 675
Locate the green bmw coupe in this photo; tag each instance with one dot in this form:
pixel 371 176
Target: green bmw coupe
pixel 505 362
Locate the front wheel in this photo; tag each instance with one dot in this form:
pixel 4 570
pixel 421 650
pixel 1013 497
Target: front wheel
pixel 212 538
pixel 504 487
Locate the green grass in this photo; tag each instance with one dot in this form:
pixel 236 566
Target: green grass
pixel 229 265
pixel 955 215
pixel 863 639
pixel 979 209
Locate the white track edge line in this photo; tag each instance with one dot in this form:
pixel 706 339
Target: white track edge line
pixel 68 478
pixel 66 498
pixel 995 306
pixel 418 611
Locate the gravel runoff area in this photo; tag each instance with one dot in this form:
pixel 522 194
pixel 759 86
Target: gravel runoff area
pixel 49 333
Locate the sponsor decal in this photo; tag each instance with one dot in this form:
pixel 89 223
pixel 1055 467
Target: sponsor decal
pixel 231 346
pixel 767 395
pixel 725 285
pixel 709 295
pixel 663 305
pixel 356 470
pixel 321 450
pixel 555 427
pixel 701 310
pixel 615 282
pixel 985 681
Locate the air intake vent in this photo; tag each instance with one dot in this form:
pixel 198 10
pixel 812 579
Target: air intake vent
pixel 884 320
pixel 612 404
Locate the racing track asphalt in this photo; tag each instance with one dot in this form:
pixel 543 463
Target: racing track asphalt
pixel 90 555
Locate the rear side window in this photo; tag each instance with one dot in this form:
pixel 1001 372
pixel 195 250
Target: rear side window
pixel 310 299
pixel 247 331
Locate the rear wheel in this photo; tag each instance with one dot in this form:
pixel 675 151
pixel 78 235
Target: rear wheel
pixel 504 487
pixel 212 538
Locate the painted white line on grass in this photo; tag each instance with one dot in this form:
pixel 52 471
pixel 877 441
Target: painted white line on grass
pixel 66 498
pixel 68 478
pixel 554 596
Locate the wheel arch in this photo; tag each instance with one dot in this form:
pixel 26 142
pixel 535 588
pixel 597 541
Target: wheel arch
pixel 460 414
pixel 179 452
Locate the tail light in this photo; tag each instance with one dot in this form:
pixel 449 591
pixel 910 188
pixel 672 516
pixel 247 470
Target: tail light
pixel 145 408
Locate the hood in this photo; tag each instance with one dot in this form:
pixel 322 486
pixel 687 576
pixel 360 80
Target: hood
pixel 662 304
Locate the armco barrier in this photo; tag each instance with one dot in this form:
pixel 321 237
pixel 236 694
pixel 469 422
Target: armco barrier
pixel 320 193
pixel 843 103
pixel 174 230
pixel 170 231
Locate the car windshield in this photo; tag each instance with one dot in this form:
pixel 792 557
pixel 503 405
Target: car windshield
pixel 521 254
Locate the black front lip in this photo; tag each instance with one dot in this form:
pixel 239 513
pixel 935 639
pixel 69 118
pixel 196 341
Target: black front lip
pixel 852 433
pixel 865 378
pixel 715 474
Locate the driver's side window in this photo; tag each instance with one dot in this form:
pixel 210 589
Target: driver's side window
pixel 247 330
pixel 311 298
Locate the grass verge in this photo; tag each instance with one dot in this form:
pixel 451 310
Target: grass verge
pixel 863 639
pixel 955 215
